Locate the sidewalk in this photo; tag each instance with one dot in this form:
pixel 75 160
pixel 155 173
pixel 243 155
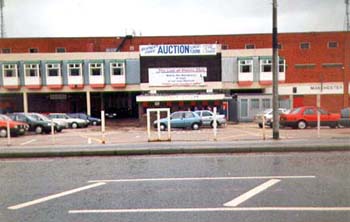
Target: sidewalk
pixel 197 147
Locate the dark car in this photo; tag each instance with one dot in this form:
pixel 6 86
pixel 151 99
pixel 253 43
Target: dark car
pixel 37 125
pixel 92 120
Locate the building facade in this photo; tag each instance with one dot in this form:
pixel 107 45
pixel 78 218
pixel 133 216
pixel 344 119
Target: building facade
pixel 129 74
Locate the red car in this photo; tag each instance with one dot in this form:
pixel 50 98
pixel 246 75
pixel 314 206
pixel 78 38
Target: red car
pixel 305 116
pixel 16 128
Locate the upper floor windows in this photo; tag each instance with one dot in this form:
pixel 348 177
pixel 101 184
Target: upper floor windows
pixel 245 66
pixel 60 49
pixel 249 46
pixel 53 69
pixel 332 44
pixel 32 70
pixel 74 69
pixel 305 45
pixel 33 50
pixel 266 65
pixel 281 65
pixel 117 69
pixel 9 70
pixel 96 69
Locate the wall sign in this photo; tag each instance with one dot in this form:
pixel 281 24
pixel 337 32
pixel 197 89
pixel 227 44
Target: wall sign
pixel 181 76
pixel 309 89
pixel 178 50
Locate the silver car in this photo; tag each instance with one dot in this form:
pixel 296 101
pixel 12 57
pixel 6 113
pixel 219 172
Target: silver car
pixel 207 118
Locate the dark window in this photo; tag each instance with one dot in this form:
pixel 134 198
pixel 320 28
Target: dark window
pixel 206 114
pixel 332 44
pixel 60 49
pixel 6 50
pixel 53 72
pixel 75 72
pixel 33 50
pixel 250 46
pixel 117 71
pixel 305 45
pixel 267 68
pixel 96 72
pixel 9 73
pixel 309 112
pixel 32 72
pixel 246 68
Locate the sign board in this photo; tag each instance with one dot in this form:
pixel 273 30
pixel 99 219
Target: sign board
pixel 309 89
pixel 177 76
pixel 178 50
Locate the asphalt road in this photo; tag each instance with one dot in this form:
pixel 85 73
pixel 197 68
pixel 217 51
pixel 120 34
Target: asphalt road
pixel 236 187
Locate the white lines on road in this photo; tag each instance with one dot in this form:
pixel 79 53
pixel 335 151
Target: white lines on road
pixel 44 199
pixel 222 209
pixel 27 142
pixel 201 178
pixel 240 199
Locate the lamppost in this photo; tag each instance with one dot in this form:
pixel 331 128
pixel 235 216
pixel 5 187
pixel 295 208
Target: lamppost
pixel 275 105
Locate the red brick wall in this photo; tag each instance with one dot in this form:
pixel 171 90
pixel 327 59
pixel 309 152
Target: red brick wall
pixel 332 103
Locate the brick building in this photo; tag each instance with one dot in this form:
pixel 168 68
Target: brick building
pixel 129 74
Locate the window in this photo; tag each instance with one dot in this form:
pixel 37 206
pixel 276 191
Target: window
pixel 95 69
pixel 33 50
pixel 309 112
pixel 305 45
pixel 332 44
pixel 204 114
pixel 244 107
pixel 53 69
pixel 255 103
pixel 117 69
pixel 249 46
pixel 266 103
pixel 60 49
pixel 245 66
pixel 281 65
pixel 188 115
pixel 74 69
pixel 266 65
pixel 9 70
pixel 32 70
pixel 6 50
pixel 176 116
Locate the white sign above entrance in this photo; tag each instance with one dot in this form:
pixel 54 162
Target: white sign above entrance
pixel 182 76
pixel 178 50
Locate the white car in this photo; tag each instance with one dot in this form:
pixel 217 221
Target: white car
pixel 62 123
pixel 207 118
pixel 72 122
pixel 267 114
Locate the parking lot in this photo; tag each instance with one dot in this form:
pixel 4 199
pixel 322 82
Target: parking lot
pixel 129 131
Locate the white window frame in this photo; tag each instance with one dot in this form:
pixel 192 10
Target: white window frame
pixel 283 64
pixel 265 62
pixel 12 67
pixel 53 66
pixel 34 67
pixel 246 62
pixel 75 66
pixel 117 65
pixel 95 66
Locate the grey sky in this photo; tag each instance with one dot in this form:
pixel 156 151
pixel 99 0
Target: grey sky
pixel 41 18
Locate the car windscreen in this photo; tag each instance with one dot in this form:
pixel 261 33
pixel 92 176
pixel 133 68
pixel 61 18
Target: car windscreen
pixel 3 117
pixel 295 111
pixel 40 117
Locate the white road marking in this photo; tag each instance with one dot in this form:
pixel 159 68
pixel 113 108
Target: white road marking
pixel 164 210
pixel 41 200
pixel 29 141
pixel 251 193
pixel 202 178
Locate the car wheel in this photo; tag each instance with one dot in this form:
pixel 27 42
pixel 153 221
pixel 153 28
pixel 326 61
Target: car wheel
pixel 38 129
pixel 195 126
pixel 162 126
pixel 3 132
pixel 302 124
pixel 94 123
pixel 333 125
pixel 212 124
pixel 74 125
pixel 260 125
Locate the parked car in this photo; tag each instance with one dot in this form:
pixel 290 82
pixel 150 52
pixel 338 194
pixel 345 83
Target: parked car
pixel 61 124
pixel 92 120
pixel 38 126
pixel 305 116
pixel 16 128
pixel 111 113
pixel 72 122
pixel 180 119
pixel 345 117
pixel 268 115
pixel 207 118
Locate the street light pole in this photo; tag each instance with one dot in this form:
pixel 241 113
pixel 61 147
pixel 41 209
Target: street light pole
pixel 275 73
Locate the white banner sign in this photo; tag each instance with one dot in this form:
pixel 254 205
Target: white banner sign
pixel 178 50
pixel 176 76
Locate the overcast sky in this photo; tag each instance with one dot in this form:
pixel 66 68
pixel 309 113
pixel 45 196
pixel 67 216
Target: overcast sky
pixel 50 18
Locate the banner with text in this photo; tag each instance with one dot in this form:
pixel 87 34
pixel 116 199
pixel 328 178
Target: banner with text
pixel 178 50
pixel 183 76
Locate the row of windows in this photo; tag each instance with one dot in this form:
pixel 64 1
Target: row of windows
pixel 74 69
pixel 246 66
pixel 302 45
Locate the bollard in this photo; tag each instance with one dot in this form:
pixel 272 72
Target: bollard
pixel 103 126
pixel 158 124
pixel 8 133
pixel 318 123
pixel 214 124
pixel 53 132
pixel 263 128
